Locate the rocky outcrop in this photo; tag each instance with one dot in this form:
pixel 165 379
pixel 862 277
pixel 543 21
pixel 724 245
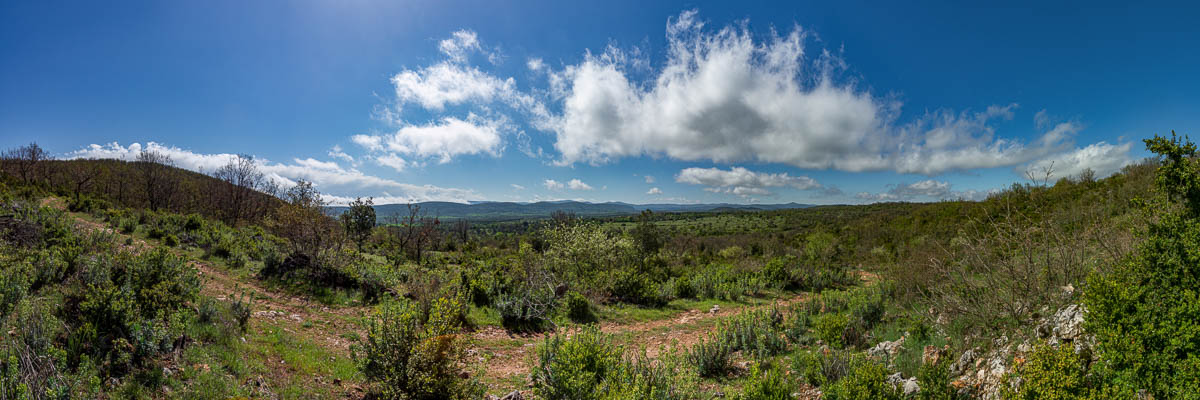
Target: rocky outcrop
pixel 983 375
pixel 885 350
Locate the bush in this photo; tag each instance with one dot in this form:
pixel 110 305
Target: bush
pixel 822 367
pixel 1144 313
pixel 579 309
pixel 756 334
pixel 831 328
pixel 528 309
pixel 766 384
pixel 408 354
pixel 170 240
pixel 1054 373
pixel 574 368
pixel 631 286
pixel 711 357
pixel 589 366
pixel 128 225
pixel 934 381
pixel 867 380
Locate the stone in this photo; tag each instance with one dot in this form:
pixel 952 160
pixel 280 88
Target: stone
pixel 715 308
pixel 886 349
pixel 911 387
pixel 964 361
pixel 514 395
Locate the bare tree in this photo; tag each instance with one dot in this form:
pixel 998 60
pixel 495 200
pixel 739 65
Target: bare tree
pixel 26 162
pixel 304 223
pixel 416 231
pixel 82 175
pixel 156 179
pixel 241 196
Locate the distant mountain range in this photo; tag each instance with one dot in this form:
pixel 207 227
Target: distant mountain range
pixel 497 210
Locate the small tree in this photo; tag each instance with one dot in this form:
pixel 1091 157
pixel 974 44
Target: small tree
pixel 359 220
pixel 81 174
pixel 304 223
pixel 462 229
pixel 646 234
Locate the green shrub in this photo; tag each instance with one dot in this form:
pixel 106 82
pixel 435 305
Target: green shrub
pixel 631 286
pixel 1055 373
pixel 128 225
pixel 683 288
pixel 866 380
pixel 574 368
pixel 408 354
pixel 1144 312
pixel 821 367
pixel 579 309
pixel 758 334
pixel 934 380
pixel 588 365
pixel 830 328
pixel 768 383
pixel 528 309
pixel 170 240
pixel 711 357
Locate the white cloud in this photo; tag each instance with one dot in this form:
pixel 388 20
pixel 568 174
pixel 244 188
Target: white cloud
pixel 654 191
pixel 517 187
pixel 741 181
pixel 443 140
pixel 392 161
pixel 649 179
pixel 725 96
pixel 535 64
pixel 436 86
pixel 1102 158
pixel 336 152
pixel 923 190
pixel 576 184
pixel 459 45
pixel 552 184
pixel 329 176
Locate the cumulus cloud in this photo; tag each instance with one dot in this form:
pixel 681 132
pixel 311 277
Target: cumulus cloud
pixel 649 179
pixel 576 184
pixel 443 140
pixel 1101 158
pixel 329 176
pixel 923 190
pixel 552 184
pixel 654 191
pixel 726 96
pixel 535 64
pixel 573 184
pixel 741 181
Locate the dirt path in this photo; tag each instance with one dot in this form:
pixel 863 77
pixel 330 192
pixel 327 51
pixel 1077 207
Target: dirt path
pixel 507 356
pixel 327 327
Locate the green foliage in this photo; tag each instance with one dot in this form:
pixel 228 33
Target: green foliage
pixel 934 381
pixel 574 368
pixel 758 334
pixel 1144 313
pixel 866 380
pixel 631 285
pixel 588 365
pixel 831 328
pixel 359 220
pixel 767 383
pixel 526 308
pixel 646 235
pixel 410 354
pixel 1053 373
pixel 579 309
pixel 711 357
pixel 821 367
pixel 171 241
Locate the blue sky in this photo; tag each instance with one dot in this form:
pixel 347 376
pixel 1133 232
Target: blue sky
pixel 521 101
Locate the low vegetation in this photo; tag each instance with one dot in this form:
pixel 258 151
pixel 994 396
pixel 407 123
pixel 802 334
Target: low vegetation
pixel 141 280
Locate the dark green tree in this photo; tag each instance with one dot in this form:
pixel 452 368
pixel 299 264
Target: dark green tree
pixel 647 236
pixel 359 220
pixel 1145 313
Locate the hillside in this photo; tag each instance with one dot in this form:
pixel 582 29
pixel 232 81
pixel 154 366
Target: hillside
pixel 1022 291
